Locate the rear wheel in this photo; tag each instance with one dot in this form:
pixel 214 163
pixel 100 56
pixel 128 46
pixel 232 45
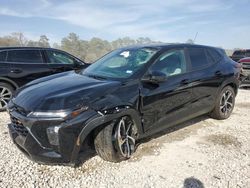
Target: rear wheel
pixel 116 142
pixel 6 92
pixel 224 104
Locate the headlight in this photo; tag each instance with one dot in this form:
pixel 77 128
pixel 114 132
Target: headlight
pixel 63 114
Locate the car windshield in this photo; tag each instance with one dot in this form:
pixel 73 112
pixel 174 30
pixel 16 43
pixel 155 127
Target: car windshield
pixel 120 64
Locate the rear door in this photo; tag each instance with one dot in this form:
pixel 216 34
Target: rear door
pixel 59 61
pixel 206 77
pixel 26 65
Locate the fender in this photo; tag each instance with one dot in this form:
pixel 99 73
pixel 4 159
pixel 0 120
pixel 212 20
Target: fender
pixel 232 81
pixel 9 81
pixel 101 119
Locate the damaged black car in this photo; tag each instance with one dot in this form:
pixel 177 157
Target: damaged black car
pixel 129 94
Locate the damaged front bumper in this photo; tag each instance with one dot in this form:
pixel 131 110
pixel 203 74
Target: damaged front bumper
pixel 53 141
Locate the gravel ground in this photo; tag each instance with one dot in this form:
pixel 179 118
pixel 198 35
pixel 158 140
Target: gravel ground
pixel 199 153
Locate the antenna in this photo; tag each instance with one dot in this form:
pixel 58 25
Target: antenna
pixel 195 37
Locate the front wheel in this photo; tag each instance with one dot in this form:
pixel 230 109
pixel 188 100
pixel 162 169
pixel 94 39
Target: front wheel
pixel 6 92
pixel 224 104
pixel 116 141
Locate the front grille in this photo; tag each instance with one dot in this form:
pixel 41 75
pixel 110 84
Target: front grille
pixel 18 126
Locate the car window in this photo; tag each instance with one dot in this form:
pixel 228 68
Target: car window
pixel 213 56
pixel 56 57
pixel 3 56
pixel 239 53
pixel 171 63
pixel 25 56
pixel 248 53
pixel 121 63
pixel 198 58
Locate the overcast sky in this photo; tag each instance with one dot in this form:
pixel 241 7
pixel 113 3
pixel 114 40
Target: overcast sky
pixel 224 23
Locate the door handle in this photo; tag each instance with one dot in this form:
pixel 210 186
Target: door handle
pixel 17 71
pixel 218 73
pixel 185 82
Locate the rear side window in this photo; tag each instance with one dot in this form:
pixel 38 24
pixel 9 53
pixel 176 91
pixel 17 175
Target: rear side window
pixel 3 56
pixel 25 56
pixel 198 58
pixel 213 56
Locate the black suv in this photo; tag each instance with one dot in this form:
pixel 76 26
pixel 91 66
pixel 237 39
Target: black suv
pixel 239 54
pixel 20 65
pixel 126 95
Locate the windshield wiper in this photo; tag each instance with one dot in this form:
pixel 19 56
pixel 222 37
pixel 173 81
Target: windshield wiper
pixel 96 77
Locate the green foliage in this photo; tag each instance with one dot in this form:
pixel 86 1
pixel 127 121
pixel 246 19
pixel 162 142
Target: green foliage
pixel 88 51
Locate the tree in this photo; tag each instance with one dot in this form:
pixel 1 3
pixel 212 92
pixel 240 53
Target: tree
pixel 44 41
pixel 74 45
pixel 15 39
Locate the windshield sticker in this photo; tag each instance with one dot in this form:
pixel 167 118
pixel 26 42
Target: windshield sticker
pixel 125 54
pixel 129 71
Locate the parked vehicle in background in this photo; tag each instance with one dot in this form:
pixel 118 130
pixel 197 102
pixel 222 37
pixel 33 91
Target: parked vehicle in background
pixel 239 54
pixel 126 95
pixel 20 65
pixel 245 62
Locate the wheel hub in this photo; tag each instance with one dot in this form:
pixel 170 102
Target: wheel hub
pixel 226 103
pixel 125 140
pixel 5 96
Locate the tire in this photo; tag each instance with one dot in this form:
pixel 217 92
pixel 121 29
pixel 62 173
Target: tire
pixel 6 92
pixel 108 141
pixel 224 104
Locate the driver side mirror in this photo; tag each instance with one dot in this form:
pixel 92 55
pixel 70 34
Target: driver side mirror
pixel 155 77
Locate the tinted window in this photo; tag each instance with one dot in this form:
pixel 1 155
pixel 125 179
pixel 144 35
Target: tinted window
pixel 239 52
pixel 248 53
pixel 198 58
pixel 171 63
pixel 213 56
pixel 25 56
pixel 3 56
pixel 56 57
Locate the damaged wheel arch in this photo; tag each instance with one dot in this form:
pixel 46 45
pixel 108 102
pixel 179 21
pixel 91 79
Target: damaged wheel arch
pixel 101 120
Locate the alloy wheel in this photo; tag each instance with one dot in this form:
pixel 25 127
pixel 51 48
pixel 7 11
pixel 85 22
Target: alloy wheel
pixel 226 102
pixel 5 96
pixel 124 137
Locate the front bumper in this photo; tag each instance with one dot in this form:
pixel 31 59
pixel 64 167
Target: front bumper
pixel 30 136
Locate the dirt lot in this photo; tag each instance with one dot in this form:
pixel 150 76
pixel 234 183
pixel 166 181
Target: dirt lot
pixel 200 153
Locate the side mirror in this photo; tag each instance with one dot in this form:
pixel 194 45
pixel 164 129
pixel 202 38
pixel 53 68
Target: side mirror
pixel 155 77
pixel 79 64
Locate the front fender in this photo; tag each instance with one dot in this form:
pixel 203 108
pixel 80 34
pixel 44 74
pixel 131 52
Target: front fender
pixel 101 119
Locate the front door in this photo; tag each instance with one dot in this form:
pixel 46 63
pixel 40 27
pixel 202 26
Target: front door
pixel 168 102
pixel 59 61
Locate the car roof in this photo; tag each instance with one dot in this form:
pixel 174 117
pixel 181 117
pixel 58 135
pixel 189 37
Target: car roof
pixel 167 45
pixel 15 48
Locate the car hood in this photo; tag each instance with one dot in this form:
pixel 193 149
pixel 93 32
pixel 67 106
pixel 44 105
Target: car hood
pixel 63 91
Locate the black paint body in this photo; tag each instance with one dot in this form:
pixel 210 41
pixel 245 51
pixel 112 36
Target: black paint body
pixel 19 73
pixel 153 106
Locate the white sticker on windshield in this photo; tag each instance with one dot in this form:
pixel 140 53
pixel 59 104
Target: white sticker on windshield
pixel 129 71
pixel 125 54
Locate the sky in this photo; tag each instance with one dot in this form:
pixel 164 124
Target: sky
pixel 223 23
